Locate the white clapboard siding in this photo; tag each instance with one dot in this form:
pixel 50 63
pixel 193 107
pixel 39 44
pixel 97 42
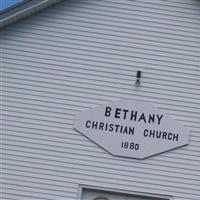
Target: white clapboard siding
pixel 81 54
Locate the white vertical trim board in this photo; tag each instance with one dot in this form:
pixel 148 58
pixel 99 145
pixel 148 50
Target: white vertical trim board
pixel 80 54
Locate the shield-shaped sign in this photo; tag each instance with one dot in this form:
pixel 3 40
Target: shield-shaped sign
pixel 131 129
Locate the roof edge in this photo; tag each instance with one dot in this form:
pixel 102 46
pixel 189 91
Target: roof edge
pixel 24 10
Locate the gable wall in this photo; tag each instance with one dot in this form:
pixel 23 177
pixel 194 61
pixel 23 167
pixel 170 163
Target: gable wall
pixel 81 54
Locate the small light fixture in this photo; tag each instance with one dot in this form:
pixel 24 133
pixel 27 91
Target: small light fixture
pixel 138 76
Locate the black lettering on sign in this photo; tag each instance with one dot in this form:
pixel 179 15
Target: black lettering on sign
pixel 125 112
pixel 162 135
pixel 88 123
pixel 130 145
pixel 133 115
pixel 108 111
pixel 117 113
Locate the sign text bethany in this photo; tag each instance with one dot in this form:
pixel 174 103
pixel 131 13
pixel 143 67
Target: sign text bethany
pixel 131 129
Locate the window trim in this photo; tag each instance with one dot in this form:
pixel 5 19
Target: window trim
pixel 123 192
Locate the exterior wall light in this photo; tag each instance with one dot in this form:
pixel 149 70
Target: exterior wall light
pixel 138 76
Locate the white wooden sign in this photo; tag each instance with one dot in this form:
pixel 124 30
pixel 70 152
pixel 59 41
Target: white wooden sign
pixel 131 129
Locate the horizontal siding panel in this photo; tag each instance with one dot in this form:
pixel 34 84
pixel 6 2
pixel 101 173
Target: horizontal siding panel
pixel 93 63
pixel 60 152
pixel 135 13
pixel 100 50
pixel 31 162
pixel 62 116
pixel 10 196
pixel 77 176
pixel 56 112
pixel 75 172
pixel 57 172
pixel 41 95
pixel 62 145
pixel 141 23
pixel 40 182
pixel 96 56
pixel 187 122
pixel 63 188
pixel 98 46
pixel 159 172
pixel 166 78
pixel 157 7
pixel 100 184
pixel 193 127
pixel 54 82
pixel 190 124
pixel 16 129
pixel 109 31
pixel 79 47
pixel 90 88
pixel 39 33
pixel 32 194
pixel 22 188
pixel 30 102
pixel 24 132
pixel 108 81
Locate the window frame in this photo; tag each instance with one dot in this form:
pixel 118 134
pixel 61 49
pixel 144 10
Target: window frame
pixel 123 192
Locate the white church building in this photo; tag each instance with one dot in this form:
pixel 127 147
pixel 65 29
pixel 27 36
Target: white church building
pixel 100 100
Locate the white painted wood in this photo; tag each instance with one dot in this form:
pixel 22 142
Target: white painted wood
pixel 103 195
pixel 81 54
pixel 94 195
